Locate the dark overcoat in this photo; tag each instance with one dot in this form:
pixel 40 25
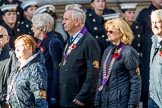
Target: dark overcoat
pixel 124 85
pixel 26 26
pixel 13 33
pixel 78 76
pixel 95 25
pixel 138 35
pixel 52 49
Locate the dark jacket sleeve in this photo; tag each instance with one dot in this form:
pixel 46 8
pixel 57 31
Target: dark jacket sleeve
pixel 11 67
pixel 55 51
pixel 92 57
pixel 131 62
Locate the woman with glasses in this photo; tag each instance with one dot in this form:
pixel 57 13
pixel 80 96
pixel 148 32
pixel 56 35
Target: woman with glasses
pixel 119 83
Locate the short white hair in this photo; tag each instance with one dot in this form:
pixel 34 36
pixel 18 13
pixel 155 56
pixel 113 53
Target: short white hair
pixel 43 21
pixel 157 14
pixel 77 12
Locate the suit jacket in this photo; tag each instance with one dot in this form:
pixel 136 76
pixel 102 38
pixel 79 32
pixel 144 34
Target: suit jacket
pixel 78 76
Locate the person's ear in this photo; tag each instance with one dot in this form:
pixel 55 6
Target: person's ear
pixel 8 38
pixel 92 5
pixel 40 29
pixel 77 22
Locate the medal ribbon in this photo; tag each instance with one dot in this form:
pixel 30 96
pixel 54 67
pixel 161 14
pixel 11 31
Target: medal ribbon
pixel 76 40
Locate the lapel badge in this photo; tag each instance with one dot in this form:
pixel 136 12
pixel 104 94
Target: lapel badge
pixel 96 64
pixel 138 71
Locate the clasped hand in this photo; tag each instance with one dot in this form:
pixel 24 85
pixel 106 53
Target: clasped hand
pixel 78 102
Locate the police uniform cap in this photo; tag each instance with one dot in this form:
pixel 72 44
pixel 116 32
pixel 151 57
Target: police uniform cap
pixel 8 7
pixel 28 3
pixel 125 6
pixel 111 16
pixel 45 8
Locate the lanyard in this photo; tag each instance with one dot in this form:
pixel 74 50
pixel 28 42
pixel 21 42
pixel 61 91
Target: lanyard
pixel 106 75
pixel 68 50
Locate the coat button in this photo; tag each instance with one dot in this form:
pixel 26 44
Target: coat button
pixel 95 28
pixel 27 26
pixel 94 20
pixel 18 13
pixel 90 14
pixel 18 30
pixel 96 37
pixel 136 27
pixel 139 35
pixel 18 22
pixel 139 45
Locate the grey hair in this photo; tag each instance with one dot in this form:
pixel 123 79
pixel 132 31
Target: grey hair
pixel 43 21
pixel 77 12
pixel 157 14
pixel 3 29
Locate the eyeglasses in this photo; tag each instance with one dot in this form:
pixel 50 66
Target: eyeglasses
pixel 111 32
pixel 1 35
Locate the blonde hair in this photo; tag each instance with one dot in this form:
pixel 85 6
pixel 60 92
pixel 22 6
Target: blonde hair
pixel 28 40
pixel 124 28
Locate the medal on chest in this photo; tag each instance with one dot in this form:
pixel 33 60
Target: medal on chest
pixel 73 46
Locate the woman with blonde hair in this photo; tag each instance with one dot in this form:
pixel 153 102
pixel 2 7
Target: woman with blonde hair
pixel 119 83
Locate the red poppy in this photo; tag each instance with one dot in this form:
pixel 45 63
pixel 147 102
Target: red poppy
pixel 73 46
pixel 160 53
pixel 42 49
pixel 116 55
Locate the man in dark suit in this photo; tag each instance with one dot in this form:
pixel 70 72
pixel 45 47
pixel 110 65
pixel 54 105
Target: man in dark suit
pixel 80 63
